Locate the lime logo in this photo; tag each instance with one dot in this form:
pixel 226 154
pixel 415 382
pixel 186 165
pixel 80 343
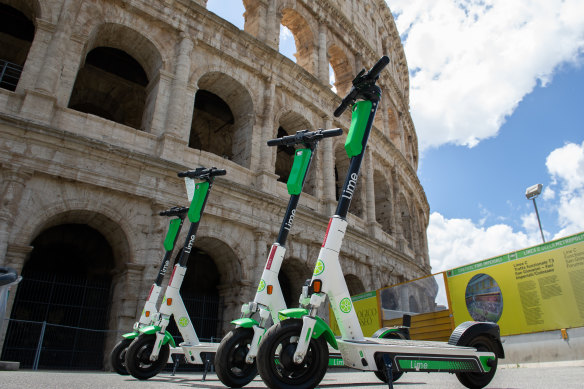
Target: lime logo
pixel 183 322
pixel 345 305
pixel 262 285
pixel 319 268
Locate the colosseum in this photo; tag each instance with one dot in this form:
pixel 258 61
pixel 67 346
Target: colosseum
pixel 102 102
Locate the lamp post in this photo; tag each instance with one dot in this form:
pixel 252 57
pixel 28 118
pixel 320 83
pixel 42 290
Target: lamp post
pixel 531 193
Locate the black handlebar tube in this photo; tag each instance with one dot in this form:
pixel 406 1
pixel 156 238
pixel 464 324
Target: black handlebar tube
pixel 180 212
pixel 363 88
pixel 202 173
pixel 293 203
pixel 355 166
pixel 187 248
pixel 304 137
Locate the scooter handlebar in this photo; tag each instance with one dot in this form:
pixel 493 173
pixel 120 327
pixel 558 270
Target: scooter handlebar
pixel 203 173
pixel 305 136
pixel 361 79
pixel 175 211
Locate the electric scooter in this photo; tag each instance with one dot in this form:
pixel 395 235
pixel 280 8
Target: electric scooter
pixel 118 353
pixel 148 353
pixel 294 352
pixel 235 359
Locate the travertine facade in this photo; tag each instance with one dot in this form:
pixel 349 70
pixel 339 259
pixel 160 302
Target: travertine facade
pixel 115 97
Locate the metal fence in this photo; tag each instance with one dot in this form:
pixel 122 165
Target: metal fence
pixel 9 75
pixel 42 345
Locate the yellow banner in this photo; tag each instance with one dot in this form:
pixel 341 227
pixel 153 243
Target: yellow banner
pixel 537 289
pixel 367 309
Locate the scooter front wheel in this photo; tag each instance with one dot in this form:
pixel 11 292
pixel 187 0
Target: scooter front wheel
pixel 230 364
pixel 138 360
pixel 479 380
pixel 275 358
pixel 118 356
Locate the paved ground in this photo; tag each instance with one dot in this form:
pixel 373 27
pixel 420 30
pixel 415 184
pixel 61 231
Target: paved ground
pixel 563 375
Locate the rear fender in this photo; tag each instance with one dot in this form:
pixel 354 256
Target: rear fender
pixel 465 332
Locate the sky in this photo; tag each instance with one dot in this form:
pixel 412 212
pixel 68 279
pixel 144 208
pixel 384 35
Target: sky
pixel 497 100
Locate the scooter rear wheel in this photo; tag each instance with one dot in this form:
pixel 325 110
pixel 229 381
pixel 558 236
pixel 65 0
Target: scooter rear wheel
pixel 479 380
pixel 276 353
pixel 138 360
pixel 118 356
pixel 230 364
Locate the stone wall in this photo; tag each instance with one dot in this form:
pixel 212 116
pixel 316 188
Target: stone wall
pixel 61 165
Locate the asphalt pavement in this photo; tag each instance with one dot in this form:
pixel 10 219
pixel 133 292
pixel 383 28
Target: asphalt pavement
pixel 562 375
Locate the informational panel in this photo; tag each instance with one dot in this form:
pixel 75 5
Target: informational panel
pixel 367 309
pixel 537 289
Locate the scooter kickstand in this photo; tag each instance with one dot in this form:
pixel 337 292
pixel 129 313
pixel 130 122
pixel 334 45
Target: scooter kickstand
pixel 176 359
pixel 388 372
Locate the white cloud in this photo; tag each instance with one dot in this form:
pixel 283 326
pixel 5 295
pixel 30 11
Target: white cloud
pixel 457 242
pixel 566 167
pixel 475 60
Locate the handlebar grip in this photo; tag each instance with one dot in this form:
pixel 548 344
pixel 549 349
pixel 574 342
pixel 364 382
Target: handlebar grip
pixel 175 211
pixel 378 67
pixel 202 172
pixel 274 142
pixel 331 133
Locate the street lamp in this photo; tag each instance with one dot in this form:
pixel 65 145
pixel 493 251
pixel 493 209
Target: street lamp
pixel 531 193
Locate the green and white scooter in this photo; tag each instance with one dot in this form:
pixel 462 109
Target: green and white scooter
pixel 148 353
pixel 235 359
pixel 294 352
pixel 118 353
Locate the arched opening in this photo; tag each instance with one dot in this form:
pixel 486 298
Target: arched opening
pixel 213 132
pixel 289 124
pixel 383 208
pixel 354 284
pixel 343 71
pixel 16 36
pixel 341 168
pixel 303 39
pixel 222 118
pixel 292 276
pixel 65 285
pixel 111 84
pixel 414 305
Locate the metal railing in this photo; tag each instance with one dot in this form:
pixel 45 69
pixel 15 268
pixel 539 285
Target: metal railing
pixel 9 75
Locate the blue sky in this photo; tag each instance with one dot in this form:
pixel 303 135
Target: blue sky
pixel 497 98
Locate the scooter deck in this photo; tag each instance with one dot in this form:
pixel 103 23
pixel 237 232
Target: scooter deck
pixel 193 352
pixel 412 355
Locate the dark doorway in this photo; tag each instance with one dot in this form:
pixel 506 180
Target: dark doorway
pixel 64 296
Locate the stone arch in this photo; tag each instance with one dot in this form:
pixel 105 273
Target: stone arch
pixel 342 68
pixel 341 167
pixel 383 201
pixel 70 279
pixel 303 37
pixel 18 31
pixel 393 122
pixel 354 284
pixel 406 220
pixel 223 118
pixel 118 77
pixel 293 273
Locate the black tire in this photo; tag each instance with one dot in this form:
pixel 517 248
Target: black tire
pixel 274 360
pixel 381 373
pixel 118 356
pixel 479 380
pixel 138 361
pixel 230 364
